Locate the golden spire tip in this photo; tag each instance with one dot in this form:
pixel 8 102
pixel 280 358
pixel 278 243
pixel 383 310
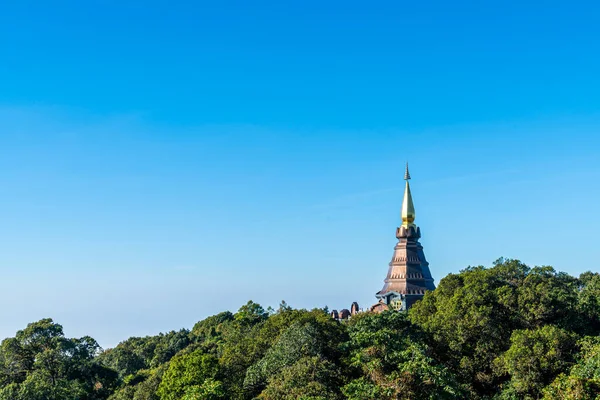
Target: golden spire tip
pixel 408 209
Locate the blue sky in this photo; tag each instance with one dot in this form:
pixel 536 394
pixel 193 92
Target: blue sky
pixel 161 162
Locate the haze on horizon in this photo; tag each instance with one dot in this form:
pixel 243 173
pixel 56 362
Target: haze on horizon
pixel 161 162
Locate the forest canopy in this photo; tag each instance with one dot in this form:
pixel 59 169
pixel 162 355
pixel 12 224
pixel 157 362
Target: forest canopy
pixel 504 332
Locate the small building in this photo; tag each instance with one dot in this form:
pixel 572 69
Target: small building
pixel 345 314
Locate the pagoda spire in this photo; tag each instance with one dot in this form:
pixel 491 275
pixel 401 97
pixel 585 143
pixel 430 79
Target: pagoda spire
pixel 408 208
pixel 408 276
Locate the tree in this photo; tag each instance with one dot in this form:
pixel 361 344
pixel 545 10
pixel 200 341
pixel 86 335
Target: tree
pixel 548 297
pixel 142 385
pixel 300 340
pixel 536 357
pixel 187 370
pixel 210 389
pixel 394 362
pixel 376 340
pixel 41 363
pixel 470 317
pixel 309 378
pixel 251 314
pixel 588 302
pixel 583 381
pixel 210 329
pixel 137 353
pixel 505 332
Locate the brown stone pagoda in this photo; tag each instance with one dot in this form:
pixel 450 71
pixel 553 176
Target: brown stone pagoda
pixel 408 276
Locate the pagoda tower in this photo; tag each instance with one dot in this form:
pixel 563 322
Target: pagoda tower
pixel 408 276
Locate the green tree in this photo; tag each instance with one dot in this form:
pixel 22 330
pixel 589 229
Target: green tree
pixel 394 362
pixel 548 297
pixel 470 317
pixel 376 341
pixel 588 302
pixel 583 381
pixel 536 357
pixel 136 353
pixel 187 370
pixel 243 346
pixel 210 389
pixel 300 340
pixel 41 363
pixel 211 328
pixel 251 314
pixel 142 385
pixel 309 378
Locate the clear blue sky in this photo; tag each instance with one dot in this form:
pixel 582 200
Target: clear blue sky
pixel 164 161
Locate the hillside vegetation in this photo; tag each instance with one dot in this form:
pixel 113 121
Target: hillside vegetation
pixel 505 332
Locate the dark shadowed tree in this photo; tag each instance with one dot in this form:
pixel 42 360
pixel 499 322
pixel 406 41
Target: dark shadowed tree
pixel 535 358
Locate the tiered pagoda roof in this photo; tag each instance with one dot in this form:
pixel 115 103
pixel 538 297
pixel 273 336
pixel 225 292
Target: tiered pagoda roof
pixel 408 276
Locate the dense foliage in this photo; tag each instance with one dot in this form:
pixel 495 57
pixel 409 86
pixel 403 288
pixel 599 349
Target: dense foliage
pixel 505 332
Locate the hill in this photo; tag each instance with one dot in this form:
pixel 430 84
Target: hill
pixel 505 332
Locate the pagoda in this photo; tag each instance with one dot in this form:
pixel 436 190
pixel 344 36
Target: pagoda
pixel 408 276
